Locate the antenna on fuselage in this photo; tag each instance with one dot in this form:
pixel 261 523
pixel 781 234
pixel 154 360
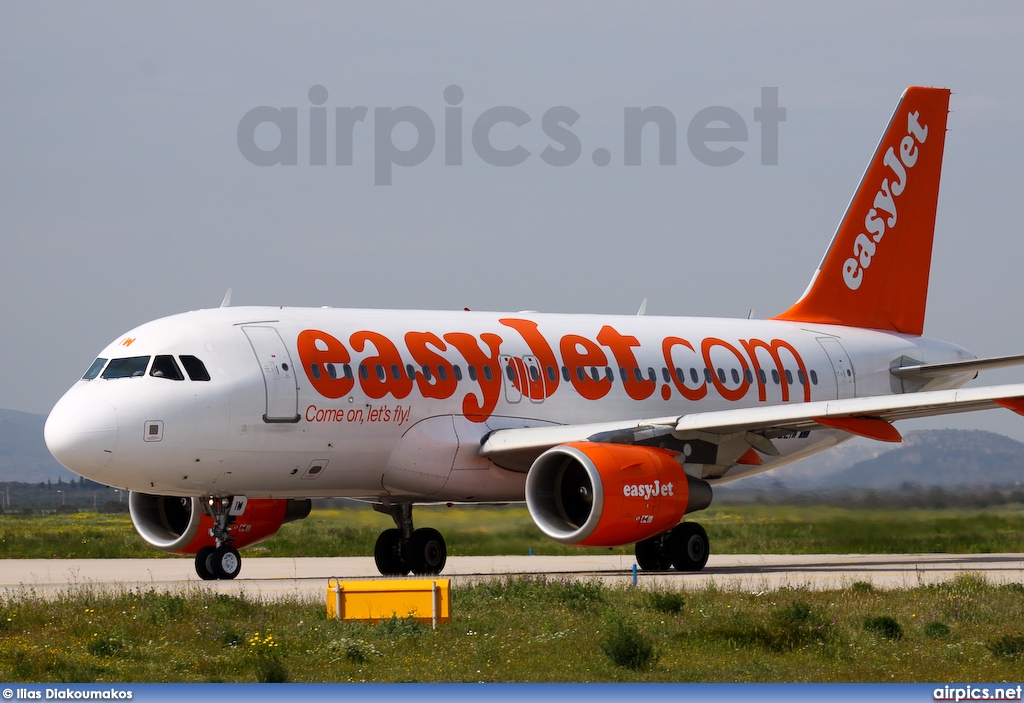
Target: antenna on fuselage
pixel 643 309
pixel 227 299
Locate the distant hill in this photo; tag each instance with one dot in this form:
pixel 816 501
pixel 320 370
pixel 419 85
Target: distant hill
pixel 926 458
pixel 946 458
pixel 23 453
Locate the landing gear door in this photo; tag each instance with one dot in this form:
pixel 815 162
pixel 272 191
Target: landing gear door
pixel 846 381
pixel 278 374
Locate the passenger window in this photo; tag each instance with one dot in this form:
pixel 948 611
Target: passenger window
pixel 552 374
pixel 747 374
pixel 594 374
pixel 802 377
pixel 94 370
pixel 510 372
pixel 761 375
pixel 579 373
pixel 314 371
pixel 164 366
pixel 680 376
pixel 664 374
pixel 426 372
pixel 708 378
pixel 775 377
pixel 609 375
pixel 814 377
pixel 693 375
pixel 331 371
pixel 488 374
pixel 457 371
pixel 735 375
pixel 194 367
pixel 396 373
pixel 348 372
pixel 721 374
pixel 789 377
pixel 565 373
pixel 381 374
pixel 534 374
pixel 472 373
pixel 126 368
pixel 442 374
pixel 363 372
pixel 410 371
pixel 637 375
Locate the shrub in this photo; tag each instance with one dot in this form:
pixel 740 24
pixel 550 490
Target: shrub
pixel 670 603
pixel 580 595
pixel 937 630
pixel 396 627
pixel 884 626
pixel 628 648
pixel 863 587
pixel 1008 646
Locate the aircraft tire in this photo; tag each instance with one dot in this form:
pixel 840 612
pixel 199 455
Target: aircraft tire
pixel 203 564
pixel 651 554
pixel 426 553
pixel 387 554
pixel 226 562
pixel 688 546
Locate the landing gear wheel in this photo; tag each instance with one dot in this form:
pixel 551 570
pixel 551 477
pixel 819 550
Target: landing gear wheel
pixel 225 562
pixel 203 566
pixel 388 554
pixel 651 554
pixel 688 546
pixel 426 552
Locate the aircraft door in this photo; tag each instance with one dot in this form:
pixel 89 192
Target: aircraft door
pixel 523 376
pixel 282 393
pixel 846 381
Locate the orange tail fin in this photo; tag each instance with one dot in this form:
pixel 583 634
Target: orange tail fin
pixel 875 273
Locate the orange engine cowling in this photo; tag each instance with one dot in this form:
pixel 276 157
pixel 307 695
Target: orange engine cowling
pixel 606 495
pixel 180 526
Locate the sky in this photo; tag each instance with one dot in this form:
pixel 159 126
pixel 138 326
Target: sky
pixel 128 188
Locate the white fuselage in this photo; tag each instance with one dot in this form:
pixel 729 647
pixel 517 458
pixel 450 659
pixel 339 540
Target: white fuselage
pixel 320 402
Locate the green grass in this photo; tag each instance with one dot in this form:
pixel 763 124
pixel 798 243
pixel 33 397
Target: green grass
pixel 525 629
pixel 476 531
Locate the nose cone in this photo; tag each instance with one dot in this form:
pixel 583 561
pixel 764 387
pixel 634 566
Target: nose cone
pixel 81 433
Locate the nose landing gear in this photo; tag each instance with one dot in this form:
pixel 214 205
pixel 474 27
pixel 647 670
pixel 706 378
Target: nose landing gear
pixel 402 550
pixel 222 561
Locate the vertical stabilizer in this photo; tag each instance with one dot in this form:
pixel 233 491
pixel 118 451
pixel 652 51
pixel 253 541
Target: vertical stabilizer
pixel 875 273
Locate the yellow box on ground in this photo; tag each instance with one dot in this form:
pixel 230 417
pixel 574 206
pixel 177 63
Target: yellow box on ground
pixel 427 601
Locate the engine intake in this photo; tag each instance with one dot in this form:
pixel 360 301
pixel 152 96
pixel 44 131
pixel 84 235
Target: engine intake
pixel 180 526
pixel 606 495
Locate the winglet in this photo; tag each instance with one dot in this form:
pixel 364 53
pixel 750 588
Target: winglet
pixel 227 299
pixel 875 273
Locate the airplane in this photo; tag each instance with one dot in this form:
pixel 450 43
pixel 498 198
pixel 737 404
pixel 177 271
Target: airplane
pixel 224 423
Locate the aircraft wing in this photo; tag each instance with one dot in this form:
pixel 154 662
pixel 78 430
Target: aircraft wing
pixel 744 429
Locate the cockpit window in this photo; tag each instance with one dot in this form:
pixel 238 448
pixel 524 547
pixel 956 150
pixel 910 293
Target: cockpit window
pixel 126 368
pixel 94 370
pixel 165 366
pixel 195 368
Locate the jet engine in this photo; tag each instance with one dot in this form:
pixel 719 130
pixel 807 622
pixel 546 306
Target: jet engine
pixel 606 495
pixel 181 526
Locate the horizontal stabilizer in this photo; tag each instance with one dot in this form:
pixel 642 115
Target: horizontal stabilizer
pixel 953 368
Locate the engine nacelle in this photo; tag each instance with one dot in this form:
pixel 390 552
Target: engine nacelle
pixel 606 495
pixel 181 526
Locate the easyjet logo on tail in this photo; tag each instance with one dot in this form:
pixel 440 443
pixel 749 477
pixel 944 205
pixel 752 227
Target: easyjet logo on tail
pixel 883 215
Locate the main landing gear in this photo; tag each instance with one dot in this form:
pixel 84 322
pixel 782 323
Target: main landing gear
pixel 685 547
pixel 402 549
pixel 222 561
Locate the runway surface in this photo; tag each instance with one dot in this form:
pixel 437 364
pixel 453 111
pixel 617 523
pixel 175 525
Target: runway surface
pixel 306 578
